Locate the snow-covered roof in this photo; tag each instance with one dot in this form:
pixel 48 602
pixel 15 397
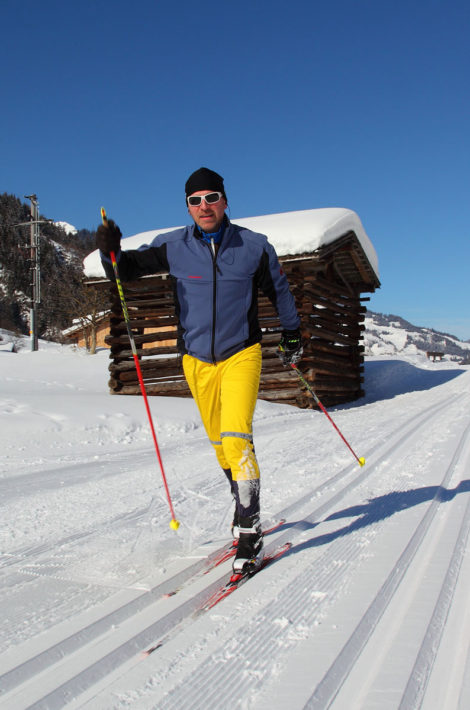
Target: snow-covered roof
pixel 80 323
pixel 289 233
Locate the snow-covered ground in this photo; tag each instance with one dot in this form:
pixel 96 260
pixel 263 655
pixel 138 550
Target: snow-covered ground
pixel 368 610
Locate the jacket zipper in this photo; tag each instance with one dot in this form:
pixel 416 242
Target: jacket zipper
pixel 215 269
pixel 214 291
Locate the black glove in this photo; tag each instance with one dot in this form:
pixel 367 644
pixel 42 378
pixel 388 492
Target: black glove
pixel 108 237
pixel 290 347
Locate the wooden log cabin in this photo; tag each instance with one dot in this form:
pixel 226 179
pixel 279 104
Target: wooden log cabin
pixel 329 262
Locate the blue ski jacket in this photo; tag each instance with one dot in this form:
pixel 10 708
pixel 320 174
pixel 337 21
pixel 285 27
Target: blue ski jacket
pixel 216 294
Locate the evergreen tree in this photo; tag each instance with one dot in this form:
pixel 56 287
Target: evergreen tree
pixel 63 295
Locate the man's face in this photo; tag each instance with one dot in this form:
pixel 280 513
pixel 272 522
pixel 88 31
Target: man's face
pixel 208 217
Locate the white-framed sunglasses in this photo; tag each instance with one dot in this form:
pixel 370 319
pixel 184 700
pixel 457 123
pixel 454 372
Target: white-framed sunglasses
pixel 211 198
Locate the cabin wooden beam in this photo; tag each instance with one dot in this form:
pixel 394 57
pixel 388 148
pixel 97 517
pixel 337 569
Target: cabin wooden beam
pixel 328 287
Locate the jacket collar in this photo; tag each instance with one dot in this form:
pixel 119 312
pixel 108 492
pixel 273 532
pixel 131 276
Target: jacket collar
pixel 216 237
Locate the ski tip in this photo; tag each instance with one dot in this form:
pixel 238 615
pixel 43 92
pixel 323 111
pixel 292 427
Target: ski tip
pixel 104 218
pixel 236 577
pixel 361 461
pixel 174 524
pixel 151 650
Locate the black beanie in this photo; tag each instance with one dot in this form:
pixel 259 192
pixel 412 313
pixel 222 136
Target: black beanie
pixel 204 179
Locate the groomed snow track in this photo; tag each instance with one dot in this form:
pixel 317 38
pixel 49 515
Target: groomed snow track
pixel 324 627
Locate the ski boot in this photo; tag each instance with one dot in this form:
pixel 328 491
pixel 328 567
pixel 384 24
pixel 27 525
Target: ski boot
pixel 250 552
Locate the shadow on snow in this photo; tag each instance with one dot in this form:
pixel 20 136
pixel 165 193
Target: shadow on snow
pixel 377 509
pixel 386 379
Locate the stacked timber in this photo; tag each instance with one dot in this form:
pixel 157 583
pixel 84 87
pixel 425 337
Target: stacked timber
pixel 327 286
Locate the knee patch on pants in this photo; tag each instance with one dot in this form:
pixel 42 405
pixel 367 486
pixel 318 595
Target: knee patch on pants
pixel 239 453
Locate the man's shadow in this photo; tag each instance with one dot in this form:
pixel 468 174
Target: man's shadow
pixel 378 509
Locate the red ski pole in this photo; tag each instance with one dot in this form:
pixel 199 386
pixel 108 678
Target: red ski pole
pixel 174 524
pixel 361 461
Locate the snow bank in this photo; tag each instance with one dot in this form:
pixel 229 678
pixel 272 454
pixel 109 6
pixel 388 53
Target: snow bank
pixel 288 232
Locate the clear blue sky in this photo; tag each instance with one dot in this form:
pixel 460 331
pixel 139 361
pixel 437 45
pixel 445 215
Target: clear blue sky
pixel 362 104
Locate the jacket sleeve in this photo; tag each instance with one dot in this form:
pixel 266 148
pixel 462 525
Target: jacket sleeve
pixel 273 282
pixel 135 263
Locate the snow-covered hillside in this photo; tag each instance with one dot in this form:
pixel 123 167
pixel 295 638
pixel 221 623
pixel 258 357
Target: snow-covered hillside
pixel 393 335
pixel 68 228
pixel 368 610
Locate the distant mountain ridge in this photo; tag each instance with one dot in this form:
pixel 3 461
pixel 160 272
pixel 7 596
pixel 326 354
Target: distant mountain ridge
pixel 391 334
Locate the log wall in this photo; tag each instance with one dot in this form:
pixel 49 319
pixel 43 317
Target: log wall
pixel 332 316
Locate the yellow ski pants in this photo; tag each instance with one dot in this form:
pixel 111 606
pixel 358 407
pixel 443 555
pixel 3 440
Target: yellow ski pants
pixel 226 393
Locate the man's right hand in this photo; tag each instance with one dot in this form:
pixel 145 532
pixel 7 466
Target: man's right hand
pixel 108 237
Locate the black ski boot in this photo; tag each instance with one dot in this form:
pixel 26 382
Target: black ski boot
pixel 250 553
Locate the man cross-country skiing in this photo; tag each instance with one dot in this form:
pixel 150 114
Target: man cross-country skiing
pixel 217 269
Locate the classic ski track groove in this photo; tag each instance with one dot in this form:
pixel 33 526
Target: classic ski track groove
pixel 418 680
pixel 333 680
pixel 27 674
pixel 205 685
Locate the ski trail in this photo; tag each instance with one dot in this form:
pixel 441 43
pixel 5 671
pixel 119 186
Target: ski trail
pixel 290 611
pixel 92 657
pixel 419 678
pixel 330 685
pixel 287 613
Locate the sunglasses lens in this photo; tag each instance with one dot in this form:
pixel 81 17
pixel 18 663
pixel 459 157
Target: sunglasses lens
pixel 212 197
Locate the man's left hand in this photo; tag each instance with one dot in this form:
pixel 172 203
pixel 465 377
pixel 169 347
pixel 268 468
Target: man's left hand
pixel 290 347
